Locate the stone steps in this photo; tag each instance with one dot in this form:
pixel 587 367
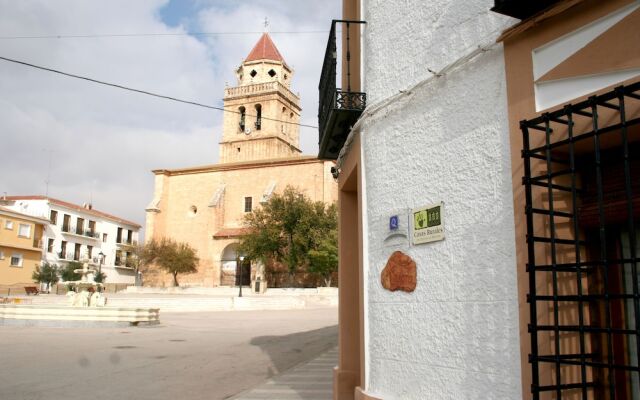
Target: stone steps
pixel 194 304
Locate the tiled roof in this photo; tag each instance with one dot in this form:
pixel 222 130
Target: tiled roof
pixel 75 207
pixel 265 50
pixel 8 211
pixel 230 232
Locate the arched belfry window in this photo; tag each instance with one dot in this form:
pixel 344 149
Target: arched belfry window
pixel 242 111
pixel 258 117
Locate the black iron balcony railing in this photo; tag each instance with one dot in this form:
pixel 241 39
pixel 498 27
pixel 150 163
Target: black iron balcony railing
pixel 81 232
pixel 66 255
pixel 339 109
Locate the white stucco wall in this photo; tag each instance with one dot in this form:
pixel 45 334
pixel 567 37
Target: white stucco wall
pixel 456 335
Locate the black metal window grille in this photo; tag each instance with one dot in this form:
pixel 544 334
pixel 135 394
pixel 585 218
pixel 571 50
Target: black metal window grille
pixel 582 194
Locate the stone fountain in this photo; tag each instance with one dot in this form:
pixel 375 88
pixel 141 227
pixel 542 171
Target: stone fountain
pixel 86 307
pixel 85 293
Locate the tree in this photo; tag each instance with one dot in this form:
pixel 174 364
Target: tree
pixel 286 228
pixel 324 260
pixel 99 277
pixel 67 273
pixel 138 257
pixel 173 257
pixel 46 273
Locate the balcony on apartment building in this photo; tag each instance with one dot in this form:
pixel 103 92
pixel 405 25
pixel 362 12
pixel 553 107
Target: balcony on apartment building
pixel 126 242
pixel 521 9
pixel 340 107
pixel 122 240
pixel 123 262
pixel 79 231
pixel 68 256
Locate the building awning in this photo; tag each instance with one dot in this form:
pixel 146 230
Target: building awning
pixel 230 233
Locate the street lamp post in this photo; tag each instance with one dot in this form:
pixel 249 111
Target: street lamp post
pixel 101 255
pixel 241 258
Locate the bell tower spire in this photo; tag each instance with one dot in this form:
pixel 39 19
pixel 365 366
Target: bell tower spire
pixel 263 114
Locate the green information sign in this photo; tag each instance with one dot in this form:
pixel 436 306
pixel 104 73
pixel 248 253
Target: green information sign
pixel 427 224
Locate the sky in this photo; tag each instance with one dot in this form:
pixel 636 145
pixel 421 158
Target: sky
pixel 82 142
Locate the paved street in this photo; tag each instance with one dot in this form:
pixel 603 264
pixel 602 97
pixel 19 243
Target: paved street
pixel 212 355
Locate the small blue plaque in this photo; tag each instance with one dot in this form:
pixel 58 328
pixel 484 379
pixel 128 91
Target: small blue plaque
pixel 393 223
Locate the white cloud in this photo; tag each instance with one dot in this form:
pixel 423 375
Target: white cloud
pixel 106 141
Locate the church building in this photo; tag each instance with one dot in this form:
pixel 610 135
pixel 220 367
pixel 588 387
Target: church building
pixel 259 155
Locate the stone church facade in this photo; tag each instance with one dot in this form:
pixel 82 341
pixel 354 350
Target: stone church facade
pixel 259 155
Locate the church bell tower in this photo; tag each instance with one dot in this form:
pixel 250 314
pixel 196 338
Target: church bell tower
pixel 262 115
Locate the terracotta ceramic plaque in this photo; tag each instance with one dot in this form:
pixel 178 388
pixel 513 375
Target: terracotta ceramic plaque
pixel 399 273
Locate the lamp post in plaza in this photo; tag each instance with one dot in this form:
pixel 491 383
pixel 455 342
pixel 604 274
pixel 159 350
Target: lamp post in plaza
pixel 101 256
pixel 241 258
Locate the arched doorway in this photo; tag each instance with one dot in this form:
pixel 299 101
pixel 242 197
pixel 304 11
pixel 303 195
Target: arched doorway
pixel 230 271
pixel 243 271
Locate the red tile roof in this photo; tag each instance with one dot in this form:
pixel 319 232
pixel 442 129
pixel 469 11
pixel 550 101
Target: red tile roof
pixel 265 50
pixel 230 232
pixel 43 221
pixel 75 207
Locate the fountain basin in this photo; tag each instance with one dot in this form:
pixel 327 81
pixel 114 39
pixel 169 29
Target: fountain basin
pixel 53 315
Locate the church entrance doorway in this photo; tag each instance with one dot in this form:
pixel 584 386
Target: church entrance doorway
pixel 231 265
pixel 243 272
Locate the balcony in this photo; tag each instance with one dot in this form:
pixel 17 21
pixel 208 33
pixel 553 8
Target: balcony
pixel 521 9
pixel 77 231
pixel 69 256
pixel 260 88
pixel 339 109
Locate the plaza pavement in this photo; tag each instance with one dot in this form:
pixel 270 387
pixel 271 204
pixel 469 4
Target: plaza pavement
pixel 195 355
pixel 311 380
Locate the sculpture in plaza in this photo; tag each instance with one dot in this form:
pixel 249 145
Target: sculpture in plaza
pixel 85 293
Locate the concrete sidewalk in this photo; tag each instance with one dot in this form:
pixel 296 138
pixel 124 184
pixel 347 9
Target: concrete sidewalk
pixel 309 381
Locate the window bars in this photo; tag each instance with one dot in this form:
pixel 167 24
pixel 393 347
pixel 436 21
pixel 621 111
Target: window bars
pixel 582 194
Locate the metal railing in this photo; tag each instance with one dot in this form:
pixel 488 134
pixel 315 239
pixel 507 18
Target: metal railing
pixel 331 96
pixel 66 256
pixel 80 232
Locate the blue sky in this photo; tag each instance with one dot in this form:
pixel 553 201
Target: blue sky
pixel 103 142
pixel 181 12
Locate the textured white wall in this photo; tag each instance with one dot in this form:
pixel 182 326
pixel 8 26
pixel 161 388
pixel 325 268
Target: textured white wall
pixel 403 38
pixel 456 336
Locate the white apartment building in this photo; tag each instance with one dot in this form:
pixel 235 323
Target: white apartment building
pixel 77 233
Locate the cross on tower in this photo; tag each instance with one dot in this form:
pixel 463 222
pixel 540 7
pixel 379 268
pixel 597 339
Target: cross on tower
pixel 266 24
